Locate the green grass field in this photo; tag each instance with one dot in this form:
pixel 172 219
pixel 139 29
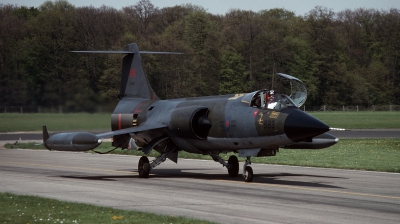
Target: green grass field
pixel 31 209
pixel 360 120
pixel 12 122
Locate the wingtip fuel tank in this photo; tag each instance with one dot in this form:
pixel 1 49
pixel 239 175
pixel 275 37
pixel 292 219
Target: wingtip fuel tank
pixel 73 141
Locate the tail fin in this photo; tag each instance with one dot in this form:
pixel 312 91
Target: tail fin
pixel 134 82
pixel 45 137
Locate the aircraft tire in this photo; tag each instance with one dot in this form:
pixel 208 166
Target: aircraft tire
pixel 248 177
pixel 233 169
pixel 144 167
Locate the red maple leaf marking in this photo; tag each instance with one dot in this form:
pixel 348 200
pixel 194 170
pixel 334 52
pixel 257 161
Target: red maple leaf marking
pixel 137 109
pixel 132 73
pixel 227 123
pixel 255 113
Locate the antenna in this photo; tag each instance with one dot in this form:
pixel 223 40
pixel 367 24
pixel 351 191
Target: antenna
pixel 273 76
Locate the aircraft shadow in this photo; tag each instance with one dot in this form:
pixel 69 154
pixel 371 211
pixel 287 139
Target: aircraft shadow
pixel 101 178
pixel 310 180
pixel 268 179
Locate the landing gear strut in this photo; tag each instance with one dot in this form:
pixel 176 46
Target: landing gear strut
pixel 144 166
pixel 247 171
pixel 232 165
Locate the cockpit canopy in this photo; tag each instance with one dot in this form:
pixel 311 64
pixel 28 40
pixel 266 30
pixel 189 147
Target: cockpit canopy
pixel 298 91
pixel 267 99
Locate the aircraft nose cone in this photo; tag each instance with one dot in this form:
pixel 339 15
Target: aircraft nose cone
pixel 300 126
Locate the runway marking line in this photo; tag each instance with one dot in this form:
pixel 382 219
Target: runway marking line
pixel 316 189
pixel 72 167
pixel 251 183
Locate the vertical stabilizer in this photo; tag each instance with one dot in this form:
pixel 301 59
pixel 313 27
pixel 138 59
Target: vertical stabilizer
pixel 134 82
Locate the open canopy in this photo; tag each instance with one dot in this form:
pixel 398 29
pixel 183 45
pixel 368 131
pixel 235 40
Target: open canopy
pixel 295 97
pixel 298 90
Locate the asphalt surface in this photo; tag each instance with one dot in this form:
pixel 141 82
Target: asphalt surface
pixel 203 189
pixel 351 133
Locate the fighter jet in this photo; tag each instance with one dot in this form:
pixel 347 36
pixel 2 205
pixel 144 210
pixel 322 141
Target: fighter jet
pixel 252 124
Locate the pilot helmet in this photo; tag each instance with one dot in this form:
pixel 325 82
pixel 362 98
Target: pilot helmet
pixel 271 92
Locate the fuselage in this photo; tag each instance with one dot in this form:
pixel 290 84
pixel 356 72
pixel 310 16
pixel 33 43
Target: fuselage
pixel 235 125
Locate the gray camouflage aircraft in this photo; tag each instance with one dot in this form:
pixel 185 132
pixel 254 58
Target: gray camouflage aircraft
pixel 251 124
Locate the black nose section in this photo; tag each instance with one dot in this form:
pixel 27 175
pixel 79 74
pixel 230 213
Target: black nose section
pixel 301 126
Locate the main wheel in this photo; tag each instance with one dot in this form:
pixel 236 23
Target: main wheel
pixel 144 167
pixel 248 175
pixel 233 169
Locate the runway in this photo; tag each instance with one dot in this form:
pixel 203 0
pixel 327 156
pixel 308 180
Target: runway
pixel 203 189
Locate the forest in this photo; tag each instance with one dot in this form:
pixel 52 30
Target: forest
pixel 350 57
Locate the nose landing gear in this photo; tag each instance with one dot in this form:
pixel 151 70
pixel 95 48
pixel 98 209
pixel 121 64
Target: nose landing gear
pixel 247 171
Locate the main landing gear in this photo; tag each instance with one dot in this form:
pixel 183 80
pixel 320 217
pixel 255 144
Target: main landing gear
pixel 233 166
pixel 144 166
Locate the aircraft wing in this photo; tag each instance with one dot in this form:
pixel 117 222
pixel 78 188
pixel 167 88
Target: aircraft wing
pixel 84 141
pixel 143 127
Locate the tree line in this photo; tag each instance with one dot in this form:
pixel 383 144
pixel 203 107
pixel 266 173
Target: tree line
pixel 350 57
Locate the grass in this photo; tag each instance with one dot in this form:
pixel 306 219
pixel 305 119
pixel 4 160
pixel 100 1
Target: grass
pixel 32 209
pixel 358 154
pixel 360 120
pixel 11 122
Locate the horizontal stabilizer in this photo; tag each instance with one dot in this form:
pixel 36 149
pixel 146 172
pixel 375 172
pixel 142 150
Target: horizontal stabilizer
pixel 134 82
pixel 125 52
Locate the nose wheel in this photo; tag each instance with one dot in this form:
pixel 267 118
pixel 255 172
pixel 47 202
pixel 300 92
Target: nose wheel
pixel 247 171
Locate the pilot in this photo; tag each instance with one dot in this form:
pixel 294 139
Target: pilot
pixel 270 96
pixel 270 100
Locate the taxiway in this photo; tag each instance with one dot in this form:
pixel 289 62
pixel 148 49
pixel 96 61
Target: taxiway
pixel 203 189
